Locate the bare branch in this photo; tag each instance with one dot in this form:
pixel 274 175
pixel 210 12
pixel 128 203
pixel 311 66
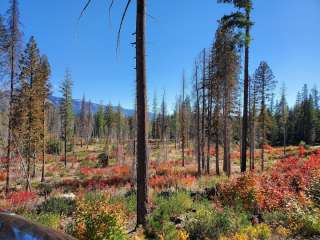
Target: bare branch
pixel 110 8
pixel 84 9
pixel 121 23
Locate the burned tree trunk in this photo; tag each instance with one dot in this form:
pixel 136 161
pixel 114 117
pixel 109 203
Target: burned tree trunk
pixel 142 158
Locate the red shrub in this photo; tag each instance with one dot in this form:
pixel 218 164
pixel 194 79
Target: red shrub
pixel 163 182
pixel 212 152
pixel 17 198
pixel 289 178
pixel 121 170
pixel 92 171
pixel 69 158
pixel 3 175
pixel 302 151
pixel 3 160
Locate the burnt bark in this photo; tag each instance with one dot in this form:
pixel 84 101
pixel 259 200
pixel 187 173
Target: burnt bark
pixel 142 158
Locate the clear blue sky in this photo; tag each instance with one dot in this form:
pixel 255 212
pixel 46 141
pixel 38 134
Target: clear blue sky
pixel 286 34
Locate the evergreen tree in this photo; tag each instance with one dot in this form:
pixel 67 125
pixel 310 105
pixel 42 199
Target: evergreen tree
pixel 183 120
pixel 83 120
pixel 265 84
pixel 44 91
pixel 100 122
pixel 284 117
pixel 66 112
pixel 163 126
pixel 30 102
pixel 227 67
pixel 154 116
pixel 252 116
pixel 242 21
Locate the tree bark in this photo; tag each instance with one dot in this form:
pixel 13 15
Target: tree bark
pixel 142 158
pixel 183 123
pixel 209 127
pixel 12 74
pixel 217 136
pixel 203 109
pixel 245 100
pixel 198 124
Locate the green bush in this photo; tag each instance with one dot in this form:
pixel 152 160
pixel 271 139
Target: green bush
pixel 96 219
pixel 302 144
pixel 257 232
pixel 206 223
pixel 309 223
pixel 161 222
pixel 103 160
pixel 304 220
pixel 314 191
pixel 62 206
pixel 53 147
pixel 129 201
pixel 276 218
pixel 44 189
pixel 51 220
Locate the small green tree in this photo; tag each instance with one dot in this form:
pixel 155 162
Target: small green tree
pixel 66 112
pixel 44 91
pixel 265 82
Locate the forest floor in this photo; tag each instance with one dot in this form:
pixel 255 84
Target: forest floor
pixel 90 201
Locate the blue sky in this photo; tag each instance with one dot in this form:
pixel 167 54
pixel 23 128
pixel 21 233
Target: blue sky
pixel 286 35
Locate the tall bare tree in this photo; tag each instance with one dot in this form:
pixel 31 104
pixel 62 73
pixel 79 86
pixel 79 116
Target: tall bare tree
pixel 142 157
pixel 197 89
pixel 252 119
pixel 203 115
pixel 141 102
pixel 183 119
pixel 14 38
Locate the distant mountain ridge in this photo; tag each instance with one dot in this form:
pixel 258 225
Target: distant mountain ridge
pixel 4 101
pixel 94 106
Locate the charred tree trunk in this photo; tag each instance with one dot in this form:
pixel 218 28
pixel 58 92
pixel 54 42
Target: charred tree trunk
pixel 14 38
pixel 12 75
pixel 226 147
pixel 245 100
pixel 284 140
pixel 203 109
pixel 253 135
pixel 263 135
pixel 183 130
pixel 198 123
pixel 43 142
pixel 65 145
pixel 217 135
pixel 209 127
pixel 142 158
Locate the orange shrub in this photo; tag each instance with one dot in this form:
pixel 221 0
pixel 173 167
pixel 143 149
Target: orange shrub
pixel 3 175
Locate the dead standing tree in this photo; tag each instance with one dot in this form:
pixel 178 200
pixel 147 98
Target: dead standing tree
pixel 141 98
pixel 14 38
pixel 196 87
pixel 183 120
